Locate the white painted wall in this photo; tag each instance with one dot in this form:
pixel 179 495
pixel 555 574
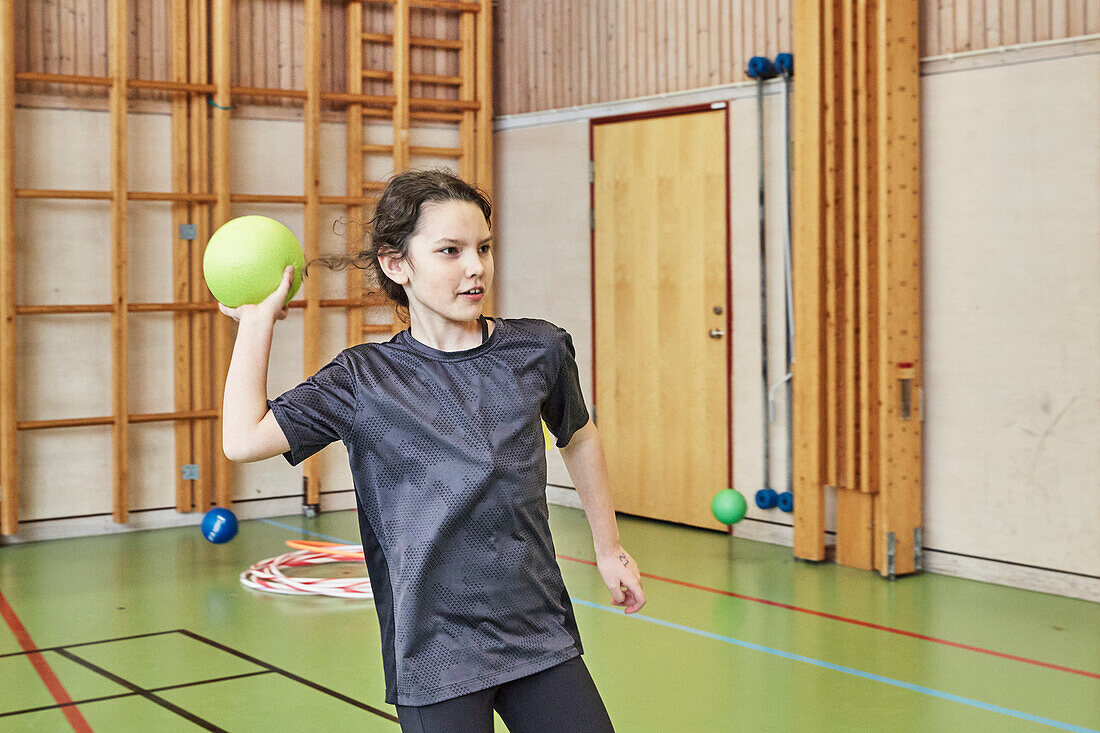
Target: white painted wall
pixel 541 224
pixel 1011 302
pixel 1012 312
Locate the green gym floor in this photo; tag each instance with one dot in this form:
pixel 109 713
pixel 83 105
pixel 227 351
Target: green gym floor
pixel 152 631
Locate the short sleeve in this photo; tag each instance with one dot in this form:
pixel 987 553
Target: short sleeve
pixel 318 411
pixel 564 410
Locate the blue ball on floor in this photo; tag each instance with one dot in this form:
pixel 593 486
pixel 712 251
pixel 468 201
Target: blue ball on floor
pixel 219 525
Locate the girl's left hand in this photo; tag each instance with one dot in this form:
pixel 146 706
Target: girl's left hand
pixel 623 578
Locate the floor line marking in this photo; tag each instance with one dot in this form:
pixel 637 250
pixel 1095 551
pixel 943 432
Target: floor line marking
pixel 166 688
pixel 799 609
pixel 289 675
pixel 840 668
pixel 87 643
pixel 151 697
pixel 308 531
pixel 42 667
pixel 857 622
pixel 87 701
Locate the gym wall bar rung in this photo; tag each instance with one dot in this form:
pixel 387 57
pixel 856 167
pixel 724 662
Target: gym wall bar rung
pixel 201 95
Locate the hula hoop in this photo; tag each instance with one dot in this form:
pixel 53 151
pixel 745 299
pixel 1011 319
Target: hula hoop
pixel 268 576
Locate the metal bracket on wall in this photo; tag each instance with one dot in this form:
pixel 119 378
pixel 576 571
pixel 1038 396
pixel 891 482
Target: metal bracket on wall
pixel 918 548
pixel 309 511
pixel 190 471
pixel 187 231
pixel 891 551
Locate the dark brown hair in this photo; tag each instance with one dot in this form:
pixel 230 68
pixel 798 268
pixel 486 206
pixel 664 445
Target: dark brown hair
pixel 395 220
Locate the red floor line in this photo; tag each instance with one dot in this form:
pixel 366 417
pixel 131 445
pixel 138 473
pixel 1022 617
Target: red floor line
pixel 857 622
pixel 60 696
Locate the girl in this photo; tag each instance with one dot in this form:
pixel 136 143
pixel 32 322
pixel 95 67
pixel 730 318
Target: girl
pixel 442 424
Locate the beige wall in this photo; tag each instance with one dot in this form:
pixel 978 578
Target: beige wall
pixel 543 251
pixel 1012 307
pixel 1012 312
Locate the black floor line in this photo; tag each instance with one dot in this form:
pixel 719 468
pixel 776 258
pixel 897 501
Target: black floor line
pixel 149 694
pixel 290 675
pixel 57 706
pixel 87 643
pixel 191 717
pixel 88 701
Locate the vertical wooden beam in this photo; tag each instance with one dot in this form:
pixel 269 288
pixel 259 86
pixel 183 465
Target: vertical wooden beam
pixel 849 324
pixel 223 346
pixel 483 171
pixel 853 508
pixel 199 147
pixel 871 410
pixel 808 283
pixel 353 161
pixel 830 99
pixel 467 65
pixel 181 255
pixel 401 85
pixel 9 434
pixel 119 296
pixel 312 315
pixel 899 287
pixel 864 98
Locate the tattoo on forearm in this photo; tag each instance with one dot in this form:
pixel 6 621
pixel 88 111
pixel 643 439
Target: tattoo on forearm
pixel 626 563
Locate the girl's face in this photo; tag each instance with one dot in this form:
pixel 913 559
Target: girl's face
pixel 450 255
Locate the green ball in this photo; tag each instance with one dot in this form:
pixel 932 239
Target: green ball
pixel 729 506
pixel 245 259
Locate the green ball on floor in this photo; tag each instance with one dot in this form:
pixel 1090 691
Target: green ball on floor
pixel 245 259
pixel 729 506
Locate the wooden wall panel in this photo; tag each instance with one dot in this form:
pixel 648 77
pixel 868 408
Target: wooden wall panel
pixel 267 45
pixel 552 53
pixel 562 53
pixel 957 26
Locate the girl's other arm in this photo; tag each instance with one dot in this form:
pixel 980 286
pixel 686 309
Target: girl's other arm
pixel 249 430
pixel 584 458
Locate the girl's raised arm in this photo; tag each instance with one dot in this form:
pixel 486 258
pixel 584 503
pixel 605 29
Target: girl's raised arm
pixel 249 429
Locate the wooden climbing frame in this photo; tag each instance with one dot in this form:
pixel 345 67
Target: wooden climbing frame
pixel 201 104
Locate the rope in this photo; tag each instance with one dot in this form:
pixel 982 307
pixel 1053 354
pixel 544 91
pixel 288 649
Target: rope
pixel 267 575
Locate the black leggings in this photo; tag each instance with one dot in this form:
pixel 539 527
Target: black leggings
pixel 562 698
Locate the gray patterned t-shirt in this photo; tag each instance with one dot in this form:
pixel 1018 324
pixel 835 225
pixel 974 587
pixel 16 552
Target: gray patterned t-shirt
pixel 449 465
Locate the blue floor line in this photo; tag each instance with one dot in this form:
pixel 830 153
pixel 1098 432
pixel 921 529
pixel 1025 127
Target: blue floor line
pixel 788 655
pixel 330 538
pixel 847 670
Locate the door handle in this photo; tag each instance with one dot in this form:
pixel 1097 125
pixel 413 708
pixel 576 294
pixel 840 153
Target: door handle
pixel 717 333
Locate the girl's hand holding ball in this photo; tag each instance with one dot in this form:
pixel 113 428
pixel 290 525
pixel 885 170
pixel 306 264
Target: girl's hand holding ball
pixel 247 257
pixel 272 308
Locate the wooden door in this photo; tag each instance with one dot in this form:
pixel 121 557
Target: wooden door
pixel 662 312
